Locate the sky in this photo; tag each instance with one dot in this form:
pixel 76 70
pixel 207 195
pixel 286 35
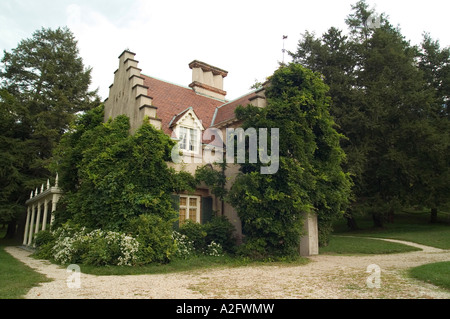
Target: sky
pixel 243 37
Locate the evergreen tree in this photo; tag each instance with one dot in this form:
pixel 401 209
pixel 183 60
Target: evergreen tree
pixel 43 83
pixel 384 101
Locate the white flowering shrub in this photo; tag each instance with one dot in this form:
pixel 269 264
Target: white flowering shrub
pixel 214 249
pixel 97 247
pixel 185 247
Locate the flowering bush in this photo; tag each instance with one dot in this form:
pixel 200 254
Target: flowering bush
pixel 214 249
pixel 98 247
pixel 185 247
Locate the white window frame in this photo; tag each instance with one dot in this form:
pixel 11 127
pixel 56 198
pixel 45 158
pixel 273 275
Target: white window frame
pixel 188 207
pixel 191 141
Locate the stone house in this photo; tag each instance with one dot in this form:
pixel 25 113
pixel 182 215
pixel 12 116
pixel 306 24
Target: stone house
pixel 184 113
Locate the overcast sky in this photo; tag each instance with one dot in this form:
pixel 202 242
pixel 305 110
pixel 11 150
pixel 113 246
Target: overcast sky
pixel 243 37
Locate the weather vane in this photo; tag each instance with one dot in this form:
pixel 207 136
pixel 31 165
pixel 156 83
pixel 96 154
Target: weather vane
pixel 284 38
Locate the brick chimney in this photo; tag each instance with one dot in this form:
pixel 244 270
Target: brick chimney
pixel 207 79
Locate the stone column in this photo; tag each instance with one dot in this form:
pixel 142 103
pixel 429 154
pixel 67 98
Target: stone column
pixel 30 233
pixel 55 199
pixel 309 242
pixel 36 229
pixel 27 224
pixel 44 219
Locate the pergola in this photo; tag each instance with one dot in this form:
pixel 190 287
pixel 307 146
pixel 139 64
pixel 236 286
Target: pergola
pixel 39 202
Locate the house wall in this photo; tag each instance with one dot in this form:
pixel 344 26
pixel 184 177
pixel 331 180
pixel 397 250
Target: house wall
pixel 128 95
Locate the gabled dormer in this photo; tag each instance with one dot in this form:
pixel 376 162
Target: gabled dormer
pixel 188 130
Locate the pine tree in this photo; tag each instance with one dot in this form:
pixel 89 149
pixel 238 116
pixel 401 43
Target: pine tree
pixel 43 83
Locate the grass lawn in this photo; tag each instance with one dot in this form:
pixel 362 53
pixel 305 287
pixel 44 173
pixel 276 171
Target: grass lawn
pixel 436 273
pixel 352 246
pixel 15 277
pixel 410 226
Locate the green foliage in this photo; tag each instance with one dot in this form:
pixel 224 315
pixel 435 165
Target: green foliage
pixel 220 230
pixel 43 83
pixel 111 177
pixel 154 235
pixel 44 241
pixel 194 232
pixel 212 238
pixel 390 99
pixel 310 176
pixel 71 243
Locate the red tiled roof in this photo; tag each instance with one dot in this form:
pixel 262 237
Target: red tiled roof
pixel 226 111
pixel 172 99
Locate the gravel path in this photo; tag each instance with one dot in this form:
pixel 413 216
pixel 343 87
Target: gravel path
pixel 325 277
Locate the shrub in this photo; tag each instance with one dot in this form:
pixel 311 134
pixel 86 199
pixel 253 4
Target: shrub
pixel 212 239
pixel 154 235
pixel 184 247
pixel 44 241
pixel 73 244
pixel 196 233
pixel 220 230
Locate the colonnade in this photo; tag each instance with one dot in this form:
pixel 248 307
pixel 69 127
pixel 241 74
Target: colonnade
pixel 46 198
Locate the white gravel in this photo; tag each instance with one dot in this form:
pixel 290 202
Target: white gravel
pixel 325 277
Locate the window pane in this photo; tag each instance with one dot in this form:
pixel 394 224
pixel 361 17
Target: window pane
pixel 182 215
pixel 183 138
pixel 193 140
pixel 182 201
pixel 192 202
pixel 193 214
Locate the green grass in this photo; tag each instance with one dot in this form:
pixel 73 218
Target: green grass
pixel 186 265
pixel 408 226
pixel 15 277
pixel 355 246
pixel 436 273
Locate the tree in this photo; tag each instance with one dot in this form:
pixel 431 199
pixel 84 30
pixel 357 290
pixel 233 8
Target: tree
pixel 110 177
pixel 43 83
pixel 310 176
pixel 383 102
pixel 432 187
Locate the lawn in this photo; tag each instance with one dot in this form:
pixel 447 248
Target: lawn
pixel 355 246
pixel 436 273
pixel 15 277
pixel 408 226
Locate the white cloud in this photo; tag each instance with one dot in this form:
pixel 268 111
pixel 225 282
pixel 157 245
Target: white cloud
pixel 242 37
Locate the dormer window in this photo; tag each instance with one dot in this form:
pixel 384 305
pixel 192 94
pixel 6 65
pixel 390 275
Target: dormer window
pixel 188 131
pixel 189 139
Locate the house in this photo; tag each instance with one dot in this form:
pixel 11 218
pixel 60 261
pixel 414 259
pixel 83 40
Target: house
pixel 184 113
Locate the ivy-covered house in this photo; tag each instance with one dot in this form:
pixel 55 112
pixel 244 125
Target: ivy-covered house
pixel 184 113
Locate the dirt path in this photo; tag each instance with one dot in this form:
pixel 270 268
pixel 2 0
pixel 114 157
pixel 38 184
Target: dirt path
pixel 325 276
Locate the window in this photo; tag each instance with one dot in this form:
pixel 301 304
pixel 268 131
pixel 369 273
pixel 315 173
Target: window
pixel 189 139
pixel 189 208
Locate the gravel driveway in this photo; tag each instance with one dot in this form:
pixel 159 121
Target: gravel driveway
pixel 325 277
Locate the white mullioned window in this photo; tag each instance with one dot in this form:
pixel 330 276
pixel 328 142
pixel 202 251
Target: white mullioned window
pixel 189 139
pixel 189 208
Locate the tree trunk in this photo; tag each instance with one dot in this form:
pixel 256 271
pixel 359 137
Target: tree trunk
pixel 11 231
pixel 433 216
pixel 390 216
pixel 351 222
pixel 377 220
